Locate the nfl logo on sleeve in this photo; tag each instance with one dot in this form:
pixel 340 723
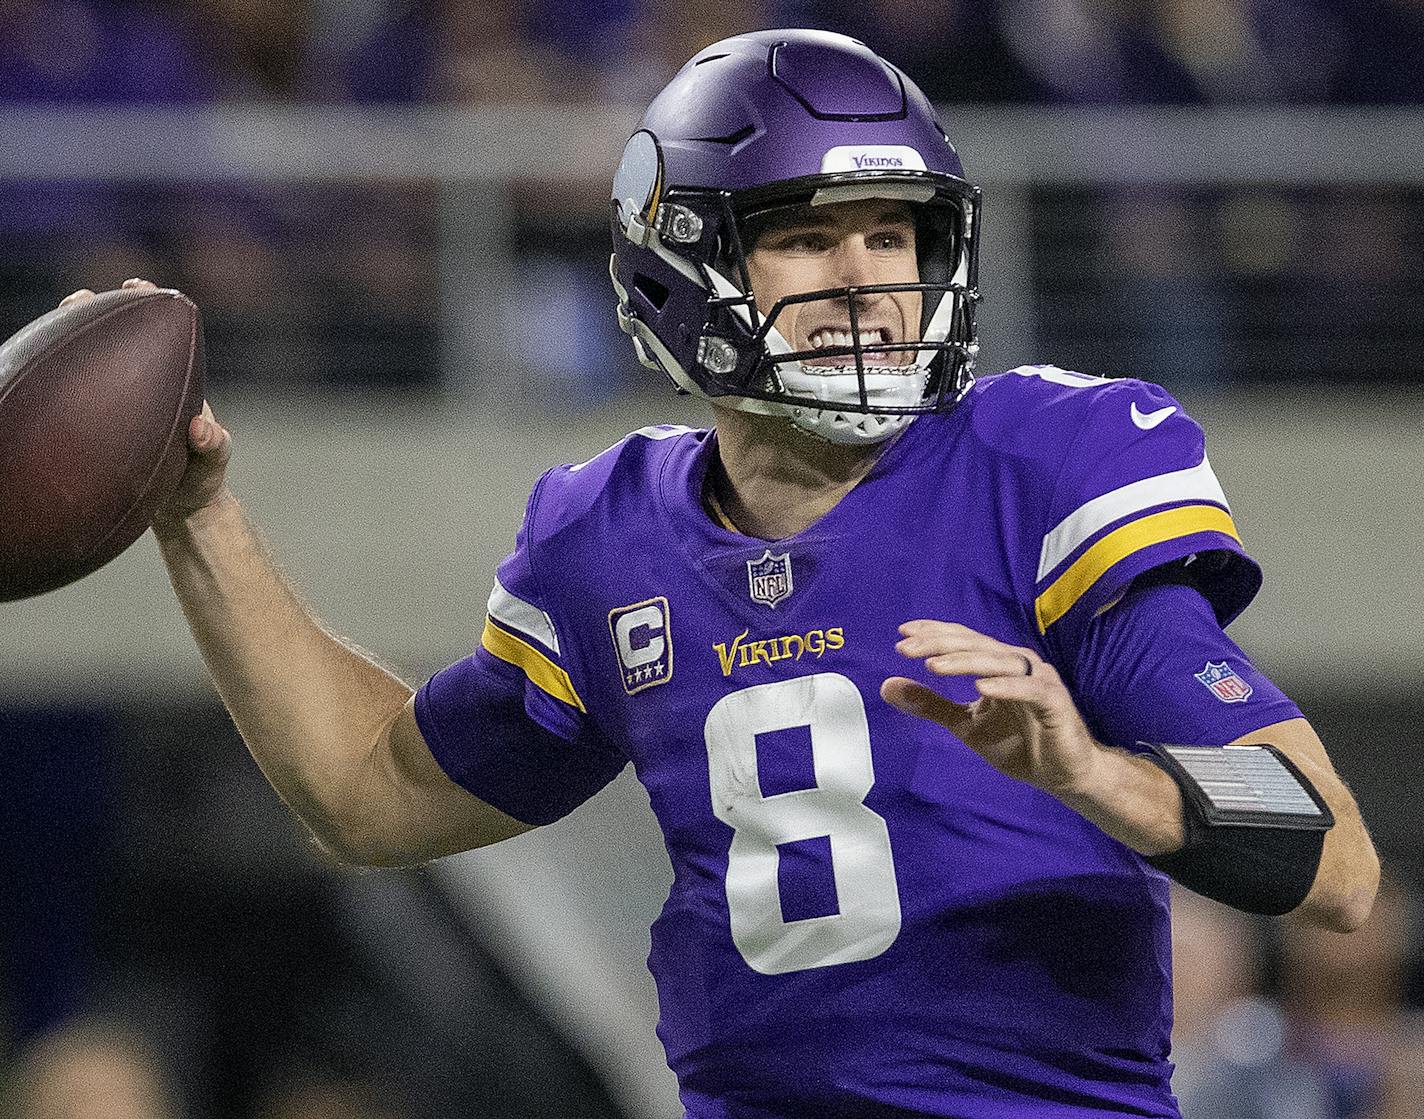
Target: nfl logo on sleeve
pixel 643 642
pixel 769 578
pixel 1221 680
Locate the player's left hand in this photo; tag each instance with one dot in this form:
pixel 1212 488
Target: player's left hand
pixel 1025 724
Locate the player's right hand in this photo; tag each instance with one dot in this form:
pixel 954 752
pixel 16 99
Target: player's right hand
pixel 209 448
pixel 202 484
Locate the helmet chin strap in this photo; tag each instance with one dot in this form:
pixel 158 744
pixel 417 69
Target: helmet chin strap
pixel 852 429
pixel 885 385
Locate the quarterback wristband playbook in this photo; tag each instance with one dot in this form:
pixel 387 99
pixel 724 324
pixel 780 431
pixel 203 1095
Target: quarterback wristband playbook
pixel 1255 825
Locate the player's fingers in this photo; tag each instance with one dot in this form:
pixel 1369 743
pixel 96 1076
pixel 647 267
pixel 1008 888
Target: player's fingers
pixel 915 699
pixel 76 297
pixel 208 437
pixel 980 662
pixel 925 643
pixel 139 282
pixel 932 627
pixel 921 629
pixel 922 626
pixel 931 642
pixel 1035 691
pixel 221 449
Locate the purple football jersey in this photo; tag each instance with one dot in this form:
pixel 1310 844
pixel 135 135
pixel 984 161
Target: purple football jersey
pixel 867 918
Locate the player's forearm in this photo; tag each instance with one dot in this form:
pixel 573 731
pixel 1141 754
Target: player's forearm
pixel 310 709
pixel 1348 877
pixel 1136 802
pixel 1345 885
pixel 1132 800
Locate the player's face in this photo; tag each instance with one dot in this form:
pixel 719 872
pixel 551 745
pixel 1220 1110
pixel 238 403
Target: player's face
pixel 840 245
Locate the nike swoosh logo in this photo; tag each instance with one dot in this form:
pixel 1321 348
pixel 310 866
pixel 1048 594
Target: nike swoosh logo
pixel 1151 419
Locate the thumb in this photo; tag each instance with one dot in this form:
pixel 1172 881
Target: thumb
pixel 925 703
pixel 206 435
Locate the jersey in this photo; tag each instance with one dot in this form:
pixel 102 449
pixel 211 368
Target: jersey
pixel 866 918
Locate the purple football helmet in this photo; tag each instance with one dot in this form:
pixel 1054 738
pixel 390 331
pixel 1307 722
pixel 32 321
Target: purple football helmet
pixel 772 123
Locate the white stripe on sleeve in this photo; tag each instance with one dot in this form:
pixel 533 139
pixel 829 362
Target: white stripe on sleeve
pixel 1196 483
pixel 656 431
pixel 522 617
pixel 1060 376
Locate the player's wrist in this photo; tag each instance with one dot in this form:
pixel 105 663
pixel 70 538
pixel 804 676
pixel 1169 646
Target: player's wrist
pixel 1130 799
pixel 173 524
pixel 1085 780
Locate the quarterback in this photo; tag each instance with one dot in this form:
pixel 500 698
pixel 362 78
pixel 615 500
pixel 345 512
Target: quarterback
pixel 925 675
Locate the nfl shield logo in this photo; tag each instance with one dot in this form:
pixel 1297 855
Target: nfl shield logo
pixel 769 578
pixel 1223 683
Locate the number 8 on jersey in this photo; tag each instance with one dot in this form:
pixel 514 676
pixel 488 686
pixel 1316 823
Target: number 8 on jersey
pixel 868 920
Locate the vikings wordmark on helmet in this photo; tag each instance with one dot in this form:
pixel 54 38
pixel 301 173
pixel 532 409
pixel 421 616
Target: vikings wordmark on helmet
pixel 871 157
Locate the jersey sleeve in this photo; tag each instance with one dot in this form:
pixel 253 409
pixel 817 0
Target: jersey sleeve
pixel 1136 492
pixel 507 722
pixel 1157 667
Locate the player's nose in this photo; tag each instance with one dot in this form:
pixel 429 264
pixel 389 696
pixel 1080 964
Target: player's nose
pixel 855 266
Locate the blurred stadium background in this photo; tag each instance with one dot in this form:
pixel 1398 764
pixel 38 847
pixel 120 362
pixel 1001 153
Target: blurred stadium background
pixel 394 218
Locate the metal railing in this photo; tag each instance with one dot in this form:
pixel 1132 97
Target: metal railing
pixel 482 157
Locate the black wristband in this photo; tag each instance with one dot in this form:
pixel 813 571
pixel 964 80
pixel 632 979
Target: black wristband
pixel 1254 824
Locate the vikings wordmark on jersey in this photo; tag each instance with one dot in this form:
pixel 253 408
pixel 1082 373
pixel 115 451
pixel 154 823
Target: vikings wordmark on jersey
pixel 744 652
pixel 862 907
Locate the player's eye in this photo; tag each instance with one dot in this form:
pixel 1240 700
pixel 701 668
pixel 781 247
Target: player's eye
pixel 889 241
pixel 803 241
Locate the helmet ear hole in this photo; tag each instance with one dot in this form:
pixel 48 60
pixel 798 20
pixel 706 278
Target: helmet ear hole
pixel 654 293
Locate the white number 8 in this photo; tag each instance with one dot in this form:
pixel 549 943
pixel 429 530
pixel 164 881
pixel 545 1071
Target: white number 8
pixel 869 901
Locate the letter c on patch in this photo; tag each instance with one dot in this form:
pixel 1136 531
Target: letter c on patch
pixel 646 624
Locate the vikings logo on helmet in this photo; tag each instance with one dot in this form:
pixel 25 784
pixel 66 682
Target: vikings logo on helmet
pixel 761 123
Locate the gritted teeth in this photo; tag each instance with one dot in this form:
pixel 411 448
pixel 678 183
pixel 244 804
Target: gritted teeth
pixel 826 337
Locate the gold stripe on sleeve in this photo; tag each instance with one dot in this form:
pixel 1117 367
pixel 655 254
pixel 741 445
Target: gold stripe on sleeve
pixel 1122 542
pixel 534 664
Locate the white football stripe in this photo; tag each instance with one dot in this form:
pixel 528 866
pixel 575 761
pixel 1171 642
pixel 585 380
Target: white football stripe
pixel 522 617
pixel 1196 483
pixel 1059 376
pixel 655 431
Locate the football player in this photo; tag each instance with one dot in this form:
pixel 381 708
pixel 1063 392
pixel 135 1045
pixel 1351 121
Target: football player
pixel 926 677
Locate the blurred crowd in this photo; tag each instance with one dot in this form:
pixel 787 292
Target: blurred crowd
pixel 1285 1021
pixel 341 287
pixel 173 947
pixel 1108 51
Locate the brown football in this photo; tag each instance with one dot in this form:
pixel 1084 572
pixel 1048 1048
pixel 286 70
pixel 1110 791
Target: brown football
pixel 95 400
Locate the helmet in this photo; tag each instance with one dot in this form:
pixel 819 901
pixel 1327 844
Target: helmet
pixel 771 120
